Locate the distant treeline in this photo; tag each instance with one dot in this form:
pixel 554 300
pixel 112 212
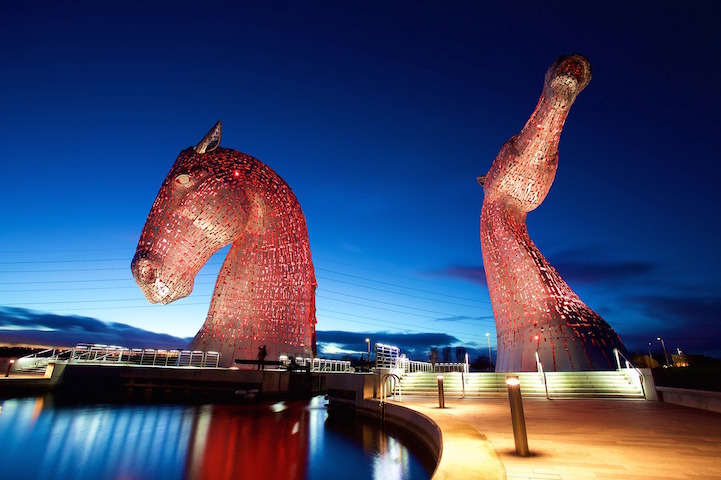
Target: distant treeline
pixel 19 351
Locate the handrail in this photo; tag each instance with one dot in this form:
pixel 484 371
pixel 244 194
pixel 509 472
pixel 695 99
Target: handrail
pixel 539 366
pixel 617 353
pixel 396 383
pixel 326 365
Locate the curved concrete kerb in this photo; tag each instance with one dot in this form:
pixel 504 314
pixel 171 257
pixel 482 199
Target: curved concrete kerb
pixel 460 450
pixel 466 452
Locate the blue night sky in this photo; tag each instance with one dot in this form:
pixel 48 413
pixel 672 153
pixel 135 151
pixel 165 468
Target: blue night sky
pixel 380 116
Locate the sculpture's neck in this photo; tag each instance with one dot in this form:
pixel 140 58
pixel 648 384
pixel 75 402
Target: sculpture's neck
pixel 520 280
pixel 506 247
pixel 542 131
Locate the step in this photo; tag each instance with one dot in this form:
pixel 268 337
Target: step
pixel 560 384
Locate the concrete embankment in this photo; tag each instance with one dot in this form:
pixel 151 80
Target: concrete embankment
pixel 703 399
pixel 128 382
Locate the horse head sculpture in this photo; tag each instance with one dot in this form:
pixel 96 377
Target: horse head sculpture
pixel 537 314
pixel 265 291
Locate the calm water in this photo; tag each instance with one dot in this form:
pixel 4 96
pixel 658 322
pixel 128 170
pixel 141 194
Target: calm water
pixel 285 440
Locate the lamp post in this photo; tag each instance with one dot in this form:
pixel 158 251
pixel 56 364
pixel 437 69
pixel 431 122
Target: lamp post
pixel 490 359
pixel 665 355
pixel 368 341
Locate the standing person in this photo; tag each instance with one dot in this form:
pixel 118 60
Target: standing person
pixel 434 357
pixel 262 352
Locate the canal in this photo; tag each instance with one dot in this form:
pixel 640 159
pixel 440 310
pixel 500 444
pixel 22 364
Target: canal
pixel 295 439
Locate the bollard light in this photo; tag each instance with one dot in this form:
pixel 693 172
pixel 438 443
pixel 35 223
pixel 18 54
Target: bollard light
pixel 441 395
pixel 10 366
pixel 517 418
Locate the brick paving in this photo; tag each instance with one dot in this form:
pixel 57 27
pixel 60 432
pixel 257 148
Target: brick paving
pixel 582 439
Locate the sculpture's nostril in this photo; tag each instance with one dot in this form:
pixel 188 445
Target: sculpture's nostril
pixel 575 66
pixel 143 270
pixel 147 272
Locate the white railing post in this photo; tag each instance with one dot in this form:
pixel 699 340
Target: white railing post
pixel 539 366
pixel 618 360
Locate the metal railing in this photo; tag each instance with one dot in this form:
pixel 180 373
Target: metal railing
pixel 314 364
pixel 149 357
pixel 411 366
pixel 387 356
pixel 539 367
pixel 451 367
pixel 38 362
pixel 629 366
pixel 324 365
pixel 390 382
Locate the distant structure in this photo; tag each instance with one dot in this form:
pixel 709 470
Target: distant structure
pixel 265 291
pixel 534 309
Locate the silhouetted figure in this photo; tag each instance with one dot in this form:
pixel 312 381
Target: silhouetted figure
pixel 262 352
pixel 434 358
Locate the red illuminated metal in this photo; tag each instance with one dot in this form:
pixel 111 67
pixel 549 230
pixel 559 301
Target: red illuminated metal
pixel 265 291
pixel 535 310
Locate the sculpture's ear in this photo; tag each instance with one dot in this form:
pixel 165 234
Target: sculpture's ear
pixel 481 180
pixel 211 140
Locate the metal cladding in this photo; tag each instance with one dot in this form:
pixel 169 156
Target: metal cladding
pixel 265 291
pixel 535 310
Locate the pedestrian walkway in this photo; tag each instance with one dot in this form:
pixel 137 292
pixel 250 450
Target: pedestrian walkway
pixel 582 439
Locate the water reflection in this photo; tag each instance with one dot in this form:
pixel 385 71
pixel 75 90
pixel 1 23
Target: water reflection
pixel 268 443
pixel 125 442
pixel 288 440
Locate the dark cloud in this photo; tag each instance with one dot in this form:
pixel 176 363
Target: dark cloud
pixel 18 325
pixel 415 346
pixel 690 323
pixel 693 308
pixel 585 271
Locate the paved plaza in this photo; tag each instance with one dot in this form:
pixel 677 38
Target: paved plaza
pixel 576 439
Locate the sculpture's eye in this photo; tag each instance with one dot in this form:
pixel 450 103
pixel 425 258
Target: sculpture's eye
pixel 182 180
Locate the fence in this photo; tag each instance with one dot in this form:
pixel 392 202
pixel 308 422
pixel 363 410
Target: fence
pixel 104 354
pixel 143 356
pixel 387 356
pixel 117 355
pixel 323 365
pixel 412 366
pixel 314 364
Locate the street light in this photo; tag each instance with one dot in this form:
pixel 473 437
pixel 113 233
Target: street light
pixel 663 344
pixel 368 341
pixel 490 358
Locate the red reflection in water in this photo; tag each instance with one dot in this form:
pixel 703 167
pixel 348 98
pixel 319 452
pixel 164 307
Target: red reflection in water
pixel 225 445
